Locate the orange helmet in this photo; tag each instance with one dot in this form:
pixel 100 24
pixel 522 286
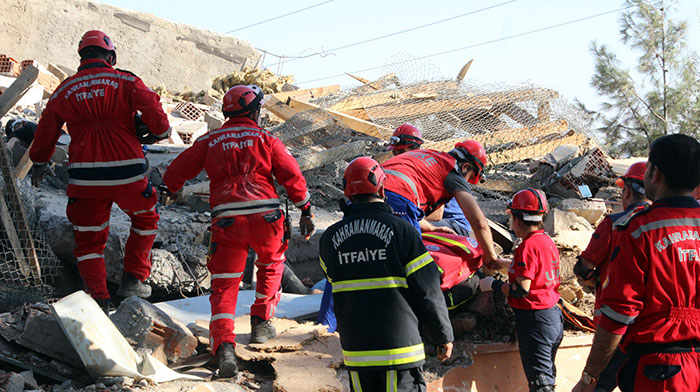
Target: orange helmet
pixel 363 176
pixel 530 202
pixel 241 100
pixel 474 153
pixel 634 176
pixel 406 135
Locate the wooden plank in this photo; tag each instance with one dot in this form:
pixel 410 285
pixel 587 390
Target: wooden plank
pixel 279 108
pixel 511 135
pixel 423 108
pixel 342 152
pixel 306 94
pixel 24 164
pixel 533 151
pixel 353 123
pixel 17 89
pixel 6 218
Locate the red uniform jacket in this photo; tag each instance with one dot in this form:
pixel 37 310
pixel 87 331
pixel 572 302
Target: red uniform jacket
pixel 458 257
pixel 98 104
pixel 599 248
pixel 240 159
pixel 652 290
pixel 419 176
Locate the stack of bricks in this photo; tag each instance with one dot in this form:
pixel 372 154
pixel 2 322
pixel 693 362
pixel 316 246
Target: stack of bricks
pixel 189 111
pixel 9 66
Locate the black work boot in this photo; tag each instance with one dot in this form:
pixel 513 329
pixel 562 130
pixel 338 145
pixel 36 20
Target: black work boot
pixel 228 367
pixel 261 330
pixel 131 286
pixel 104 304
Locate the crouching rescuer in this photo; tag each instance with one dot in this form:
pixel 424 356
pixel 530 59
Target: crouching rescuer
pixel 241 159
pixel 384 283
pixel 106 163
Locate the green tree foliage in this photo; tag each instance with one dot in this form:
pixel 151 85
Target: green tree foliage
pixel 662 95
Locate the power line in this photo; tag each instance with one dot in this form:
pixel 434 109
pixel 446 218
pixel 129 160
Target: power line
pixel 474 45
pixel 281 16
pixel 294 58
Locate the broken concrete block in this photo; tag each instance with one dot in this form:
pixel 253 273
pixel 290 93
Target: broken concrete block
pixel 561 155
pixel 148 326
pixel 557 221
pixel 29 381
pixel 42 333
pixel 214 119
pixel 190 131
pixel 592 211
pixel 11 382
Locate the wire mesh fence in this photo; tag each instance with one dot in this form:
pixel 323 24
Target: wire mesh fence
pixel 26 259
pixel 517 124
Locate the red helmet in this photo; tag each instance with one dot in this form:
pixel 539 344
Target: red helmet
pixel 363 176
pixel 241 100
pixel 96 38
pixel 474 153
pixel 531 202
pixel 634 172
pixel 406 135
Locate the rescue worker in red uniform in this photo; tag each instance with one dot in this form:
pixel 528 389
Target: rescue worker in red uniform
pixel 242 161
pixel 533 290
pixel 651 303
pixel 421 181
pixel 106 163
pixel 384 283
pixel 592 266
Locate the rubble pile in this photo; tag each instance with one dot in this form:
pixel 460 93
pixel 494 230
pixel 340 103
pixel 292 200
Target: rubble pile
pixel 527 142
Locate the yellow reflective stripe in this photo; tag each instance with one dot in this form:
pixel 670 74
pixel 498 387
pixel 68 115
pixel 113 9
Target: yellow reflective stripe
pixel 355 378
pixel 369 284
pixel 449 241
pixel 393 356
pixel 323 265
pixel 391 381
pixel 418 263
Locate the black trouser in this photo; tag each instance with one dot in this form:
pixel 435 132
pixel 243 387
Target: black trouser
pixel 660 363
pixel 539 334
pixel 461 292
pixel 607 381
pixel 407 380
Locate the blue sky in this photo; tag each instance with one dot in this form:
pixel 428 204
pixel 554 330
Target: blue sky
pixel 557 58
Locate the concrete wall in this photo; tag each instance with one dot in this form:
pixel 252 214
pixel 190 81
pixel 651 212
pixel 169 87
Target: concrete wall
pixel 162 53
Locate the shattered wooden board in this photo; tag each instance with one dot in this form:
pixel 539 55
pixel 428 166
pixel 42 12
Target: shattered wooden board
pixel 321 357
pixel 351 122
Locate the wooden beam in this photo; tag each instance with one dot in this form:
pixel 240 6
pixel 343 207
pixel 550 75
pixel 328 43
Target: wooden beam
pixel 279 108
pixel 353 123
pixel 306 94
pixel 342 152
pixel 510 135
pixel 423 108
pixel 16 245
pixel 17 89
pixel 463 72
pixel 24 164
pixel 534 151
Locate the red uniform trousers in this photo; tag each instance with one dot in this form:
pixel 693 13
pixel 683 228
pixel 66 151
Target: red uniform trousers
pixel 230 239
pixel 661 371
pixel 90 219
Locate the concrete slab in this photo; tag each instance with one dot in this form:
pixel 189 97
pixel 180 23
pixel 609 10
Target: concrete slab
pixel 189 310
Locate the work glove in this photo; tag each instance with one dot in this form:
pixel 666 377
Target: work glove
pixel 142 132
pixel 165 197
pixel 485 284
pixel 39 171
pixel 307 227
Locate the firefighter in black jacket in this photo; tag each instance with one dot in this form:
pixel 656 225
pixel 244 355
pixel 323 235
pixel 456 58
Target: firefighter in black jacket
pixel 384 282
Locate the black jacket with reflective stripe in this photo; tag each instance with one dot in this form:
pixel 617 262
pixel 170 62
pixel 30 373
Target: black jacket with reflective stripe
pixel 384 282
